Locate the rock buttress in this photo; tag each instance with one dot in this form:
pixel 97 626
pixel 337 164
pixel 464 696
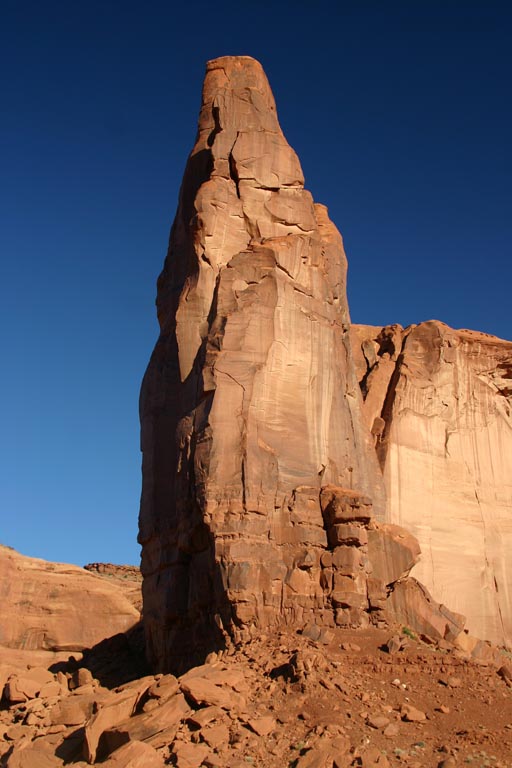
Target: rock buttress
pixel 250 403
pixel 439 403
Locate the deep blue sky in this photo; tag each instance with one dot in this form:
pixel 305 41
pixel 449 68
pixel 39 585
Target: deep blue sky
pixel 401 115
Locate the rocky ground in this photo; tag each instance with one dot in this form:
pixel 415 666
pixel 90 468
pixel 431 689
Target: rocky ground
pixel 358 698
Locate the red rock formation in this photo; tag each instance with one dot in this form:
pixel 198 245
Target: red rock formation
pixel 439 403
pixel 262 493
pixel 250 403
pixel 282 700
pixel 47 608
pixel 127 577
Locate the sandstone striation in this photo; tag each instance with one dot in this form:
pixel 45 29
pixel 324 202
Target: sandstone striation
pixel 250 404
pixel 439 405
pixel 51 608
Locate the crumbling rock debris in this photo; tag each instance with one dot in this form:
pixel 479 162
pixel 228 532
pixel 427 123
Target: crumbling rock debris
pixel 311 718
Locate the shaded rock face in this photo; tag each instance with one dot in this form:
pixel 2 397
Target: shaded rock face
pixel 250 404
pixel 47 608
pixel 439 404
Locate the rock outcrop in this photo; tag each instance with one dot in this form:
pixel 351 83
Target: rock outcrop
pixel 127 577
pixel 250 404
pixel 51 608
pixel 262 501
pixel 439 405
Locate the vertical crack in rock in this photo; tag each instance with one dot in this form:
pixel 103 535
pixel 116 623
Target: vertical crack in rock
pixel 387 408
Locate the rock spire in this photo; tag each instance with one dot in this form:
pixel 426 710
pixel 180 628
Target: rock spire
pixel 250 403
pixel 262 500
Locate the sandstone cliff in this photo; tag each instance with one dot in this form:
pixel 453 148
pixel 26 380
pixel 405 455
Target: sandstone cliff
pixel 439 403
pixel 51 608
pixel 262 500
pixel 250 402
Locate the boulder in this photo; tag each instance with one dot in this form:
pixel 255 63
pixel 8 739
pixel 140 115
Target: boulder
pixel 188 755
pixel 157 727
pixel 411 604
pixel 392 551
pixel 135 754
pixel 119 708
pixel 206 690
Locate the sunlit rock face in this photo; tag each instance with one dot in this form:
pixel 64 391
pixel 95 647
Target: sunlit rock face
pixel 439 404
pixel 250 404
pixel 49 608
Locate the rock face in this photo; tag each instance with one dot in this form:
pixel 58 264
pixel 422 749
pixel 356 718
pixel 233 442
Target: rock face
pixel 439 404
pixel 262 499
pixel 54 607
pixel 250 403
pixel 127 577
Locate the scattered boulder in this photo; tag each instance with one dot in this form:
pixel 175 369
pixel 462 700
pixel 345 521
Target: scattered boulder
pixel 212 687
pixel 134 754
pixel 262 725
pixel 411 604
pixel 190 755
pixel 412 715
pixel 120 708
pixel 393 552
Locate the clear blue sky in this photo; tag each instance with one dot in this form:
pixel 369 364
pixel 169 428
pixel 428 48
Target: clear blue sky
pixel 401 115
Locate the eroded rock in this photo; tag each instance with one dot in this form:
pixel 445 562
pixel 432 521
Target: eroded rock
pixel 55 607
pixel 250 403
pixel 439 404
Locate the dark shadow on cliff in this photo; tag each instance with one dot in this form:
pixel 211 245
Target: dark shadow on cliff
pixel 188 611
pixel 198 615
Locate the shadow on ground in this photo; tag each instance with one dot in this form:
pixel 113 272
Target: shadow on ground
pixel 113 661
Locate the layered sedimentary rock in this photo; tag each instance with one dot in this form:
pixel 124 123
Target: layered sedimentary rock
pixel 439 405
pixel 55 607
pixel 250 404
